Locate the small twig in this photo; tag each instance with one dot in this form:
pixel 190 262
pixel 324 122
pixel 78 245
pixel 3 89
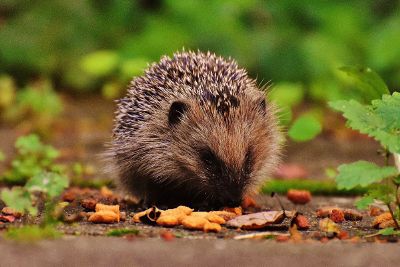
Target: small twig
pixel 273 194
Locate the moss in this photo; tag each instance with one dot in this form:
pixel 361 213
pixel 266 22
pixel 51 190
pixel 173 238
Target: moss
pixel 32 233
pixel 316 187
pixel 122 232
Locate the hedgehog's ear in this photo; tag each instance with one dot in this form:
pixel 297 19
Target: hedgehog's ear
pixel 176 111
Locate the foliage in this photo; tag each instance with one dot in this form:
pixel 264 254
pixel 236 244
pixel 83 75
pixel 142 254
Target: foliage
pixel 51 185
pixel 380 120
pixel 36 104
pixel 32 233
pixel 389 231
pixel 362 173
pixel 19 199
pixel 305 128
pixel 316 187
pixel 286 40
pixel 32 158
pixel 122 232
pixel 43 180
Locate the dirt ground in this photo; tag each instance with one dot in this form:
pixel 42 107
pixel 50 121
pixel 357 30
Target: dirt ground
pixel 81 134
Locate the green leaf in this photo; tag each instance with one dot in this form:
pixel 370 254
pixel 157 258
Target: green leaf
pixel 362 173
pixel 379 120
pixel 364 202
pixel 305 128
pixel 100 63
pixel 18 199
pixel 53 184
pixel 388 231
pixel 368 81
pixel 286 94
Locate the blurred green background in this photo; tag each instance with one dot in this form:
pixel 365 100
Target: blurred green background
pixel 80 45
pixel 98 46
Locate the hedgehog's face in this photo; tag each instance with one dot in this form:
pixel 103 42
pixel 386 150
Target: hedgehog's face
pixel 222 152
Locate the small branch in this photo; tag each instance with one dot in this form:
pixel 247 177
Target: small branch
pixel 393 217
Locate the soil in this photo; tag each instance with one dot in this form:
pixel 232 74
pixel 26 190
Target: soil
pixel 80 135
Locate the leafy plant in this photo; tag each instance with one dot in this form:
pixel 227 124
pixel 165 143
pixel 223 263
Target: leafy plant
pixel 43 183
pixel 33 157
pixel 32 233
pixel 287 96
pixel 380 120
pixel 50 185
pixel 37 105
pixel 122 232
pixel 316 187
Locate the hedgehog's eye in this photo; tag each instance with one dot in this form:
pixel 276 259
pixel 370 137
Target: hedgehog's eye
pixel 176 111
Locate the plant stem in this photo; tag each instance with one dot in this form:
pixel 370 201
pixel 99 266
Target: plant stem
pixel 393 217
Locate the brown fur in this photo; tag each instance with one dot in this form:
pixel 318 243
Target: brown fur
pixel 221 147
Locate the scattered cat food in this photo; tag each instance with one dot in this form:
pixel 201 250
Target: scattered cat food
pixel 299 196
pixel 302 222
pixel 337 216
pixel 105 214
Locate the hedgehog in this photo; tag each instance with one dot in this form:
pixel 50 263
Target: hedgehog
pixel 194 130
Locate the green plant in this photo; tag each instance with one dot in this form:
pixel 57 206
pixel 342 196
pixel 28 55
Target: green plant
pixel 287 96
pixel 43 183
pixel 32 233
pixel 316 187
pixel 380 119
pixel 33 157
pixel 46 186
pixel 122 232
pixel 37 105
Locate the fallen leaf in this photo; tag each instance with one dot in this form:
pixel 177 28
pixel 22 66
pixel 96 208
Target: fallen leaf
pixel 256 220
pixel 7 218
pixel 295 235
pixel 11 211
pixel 328 226
pixel 383 221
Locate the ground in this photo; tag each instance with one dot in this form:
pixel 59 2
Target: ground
pixel 81 134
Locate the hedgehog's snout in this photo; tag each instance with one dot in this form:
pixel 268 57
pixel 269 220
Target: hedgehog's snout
pixel 229 197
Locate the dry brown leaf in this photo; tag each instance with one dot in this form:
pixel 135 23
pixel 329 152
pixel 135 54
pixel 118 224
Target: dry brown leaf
pixel 328 226
pixel 383 221
pixel 257 220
